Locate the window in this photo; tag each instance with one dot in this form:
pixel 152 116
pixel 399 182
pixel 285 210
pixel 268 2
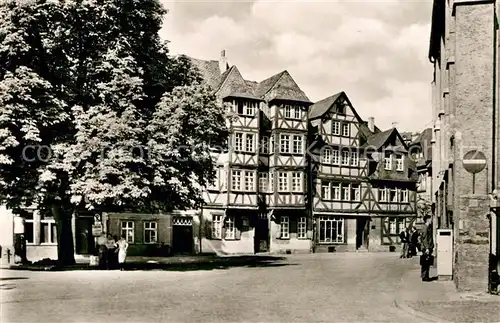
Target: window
pixel 238 141
pixel 354 158
pixel 331 229
pixel 382 195
pixel 249 181
pixel 217 226
pixel 395 225
pixel 345 129
pixel 302 228
pixel 263 182
pixel 230 229
pixel 335 156
pixel 325 191
pixel 404 196
pixel 393 228
pixel 393 195
pixel 285 144
pixel 387 162
pixel 48 231
pixel 128 230
pixel 29 227
pixel 297 112
pixel 297 144
pixel 271 182
pixel 283 182
pixel 336 127
pixel 345 158
pixel 336 191
pixel 150 232
pixel 355 192
pixel 250 108
pixel 264 146
pixel 288 111
pixel 296 182
pixel 249 147
pixel 239 106
pixel 285 227
pixel 346 192
pixel 400 163
pixel 236 180
pixel 326 156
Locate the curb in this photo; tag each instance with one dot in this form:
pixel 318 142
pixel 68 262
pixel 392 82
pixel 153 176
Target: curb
pixel 418 314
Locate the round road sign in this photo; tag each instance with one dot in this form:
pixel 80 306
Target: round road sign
pixel 474 161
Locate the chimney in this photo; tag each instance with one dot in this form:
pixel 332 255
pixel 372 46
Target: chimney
pixel 371 124
pixel 223 61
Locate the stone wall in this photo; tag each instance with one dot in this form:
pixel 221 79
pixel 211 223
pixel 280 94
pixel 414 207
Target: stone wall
pixel 472 244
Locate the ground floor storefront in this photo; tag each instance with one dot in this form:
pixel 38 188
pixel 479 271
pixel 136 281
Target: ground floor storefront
pixel 220 231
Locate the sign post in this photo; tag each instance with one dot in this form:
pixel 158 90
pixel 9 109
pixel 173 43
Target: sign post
pixel 474 161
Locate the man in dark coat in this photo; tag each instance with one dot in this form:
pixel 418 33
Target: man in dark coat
pixel 427 246
pixel 404 237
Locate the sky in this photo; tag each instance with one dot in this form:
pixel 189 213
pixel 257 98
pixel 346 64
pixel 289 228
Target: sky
pixel 375 51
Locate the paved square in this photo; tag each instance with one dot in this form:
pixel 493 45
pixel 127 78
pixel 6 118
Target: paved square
pixel 302 288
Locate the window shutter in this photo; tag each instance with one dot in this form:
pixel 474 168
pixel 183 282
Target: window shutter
pixel 237 227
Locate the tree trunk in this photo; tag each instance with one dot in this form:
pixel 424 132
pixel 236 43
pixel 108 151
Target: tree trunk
pixel 65 247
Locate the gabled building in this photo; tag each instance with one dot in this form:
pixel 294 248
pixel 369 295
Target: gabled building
pixel 363 183
pixel 312 183
pixel 258 202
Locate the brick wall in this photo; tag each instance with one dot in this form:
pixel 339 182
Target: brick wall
pixel 472 244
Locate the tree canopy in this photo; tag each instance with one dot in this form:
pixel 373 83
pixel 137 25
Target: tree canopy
pixel 95 113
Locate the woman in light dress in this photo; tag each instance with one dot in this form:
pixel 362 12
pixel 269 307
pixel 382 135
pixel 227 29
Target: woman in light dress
pixel 122 251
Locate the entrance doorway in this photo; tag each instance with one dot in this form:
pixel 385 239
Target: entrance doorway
pixel 362 231
pixel 261 237
pixel 182 236
pixel 84 240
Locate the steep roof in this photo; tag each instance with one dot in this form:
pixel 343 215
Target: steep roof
pixel 209 70
pixel 377 140
pixel 321 107
pixel 281 87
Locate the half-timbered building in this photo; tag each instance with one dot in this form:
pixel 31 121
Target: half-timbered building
pixel 362 181
pixel 258 202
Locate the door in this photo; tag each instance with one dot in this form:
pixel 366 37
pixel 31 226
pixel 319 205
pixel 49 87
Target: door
pixel 84 240
pixel 182 239
pixel 361 232
pixel 261 237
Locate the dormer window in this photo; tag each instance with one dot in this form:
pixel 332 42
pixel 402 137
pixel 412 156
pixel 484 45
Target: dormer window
pixel 387 162
pixel 297 112
pixel 400 163
pixel 292 112
pixel 288 111
pixel 245 108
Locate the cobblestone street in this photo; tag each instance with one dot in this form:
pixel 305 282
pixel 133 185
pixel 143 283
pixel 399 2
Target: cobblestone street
pixel 320 287
pixel 344 287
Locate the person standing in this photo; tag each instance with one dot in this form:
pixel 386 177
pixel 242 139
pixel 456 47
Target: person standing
pixel 122 251
pixel 413 241
pixel 103 251
pixel 427 246
pixel 111 246
pixel 404 237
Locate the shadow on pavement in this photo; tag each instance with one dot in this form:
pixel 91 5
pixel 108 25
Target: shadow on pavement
pixel 12 278
pixel 171 264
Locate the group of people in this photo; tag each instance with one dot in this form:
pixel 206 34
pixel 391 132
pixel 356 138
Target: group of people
pixel 413 241
pixel 409 242
pixel 112 252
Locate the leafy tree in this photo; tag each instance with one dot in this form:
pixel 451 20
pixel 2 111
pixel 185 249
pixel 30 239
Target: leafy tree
pixel 90 99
